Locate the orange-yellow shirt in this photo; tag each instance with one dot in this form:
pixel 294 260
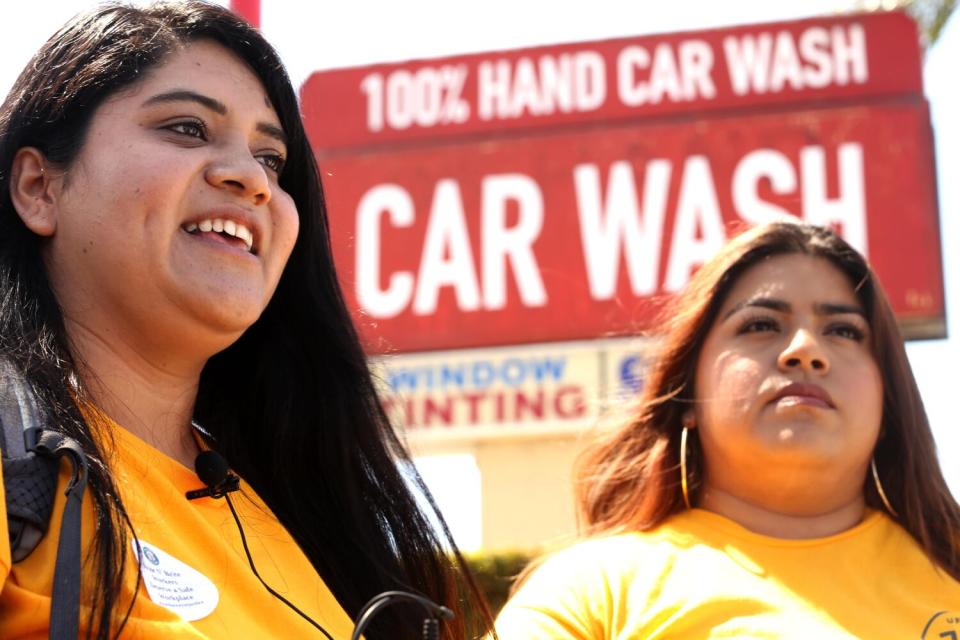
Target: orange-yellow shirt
pixel 196 579
pixel 700 576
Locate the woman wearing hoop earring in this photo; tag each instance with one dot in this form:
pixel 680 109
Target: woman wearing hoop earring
pixel 779 479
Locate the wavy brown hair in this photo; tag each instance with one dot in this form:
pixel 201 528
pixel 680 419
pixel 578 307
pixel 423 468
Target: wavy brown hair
pixel 631 480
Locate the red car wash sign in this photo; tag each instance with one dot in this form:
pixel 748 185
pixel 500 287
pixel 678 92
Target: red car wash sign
pixel 552 193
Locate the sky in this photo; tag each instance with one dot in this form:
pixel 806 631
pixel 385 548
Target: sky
pixel 313 36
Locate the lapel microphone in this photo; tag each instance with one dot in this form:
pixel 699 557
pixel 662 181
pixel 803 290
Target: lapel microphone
pixel 214 472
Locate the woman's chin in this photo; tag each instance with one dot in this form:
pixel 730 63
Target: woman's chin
pixel 212 325
pixel 802 442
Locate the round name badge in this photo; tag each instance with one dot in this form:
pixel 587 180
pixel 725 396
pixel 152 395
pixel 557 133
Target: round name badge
pixel 175 585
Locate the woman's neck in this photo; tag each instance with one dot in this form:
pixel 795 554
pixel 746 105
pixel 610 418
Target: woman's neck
pixel 152 399
pixel 784 523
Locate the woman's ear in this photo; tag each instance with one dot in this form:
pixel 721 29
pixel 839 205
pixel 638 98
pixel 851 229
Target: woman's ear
pixel 33 191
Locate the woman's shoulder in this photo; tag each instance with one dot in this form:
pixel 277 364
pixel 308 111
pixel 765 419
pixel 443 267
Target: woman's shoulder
pixel 610 547
pixel 575 592
pixel 677 531
pixel 605 563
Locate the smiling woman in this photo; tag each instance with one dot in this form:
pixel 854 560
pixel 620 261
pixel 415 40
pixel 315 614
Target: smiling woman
pixel 195 142
pixel 779 478
pixel 168 289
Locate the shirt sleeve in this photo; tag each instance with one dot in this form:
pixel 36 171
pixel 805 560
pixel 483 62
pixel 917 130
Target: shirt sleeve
pixel 518 622
pixel 566 598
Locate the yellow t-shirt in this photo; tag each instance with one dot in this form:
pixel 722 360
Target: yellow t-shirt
pixel 700 575
pixel 196 579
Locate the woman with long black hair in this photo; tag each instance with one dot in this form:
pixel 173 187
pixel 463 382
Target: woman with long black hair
pixel 167 287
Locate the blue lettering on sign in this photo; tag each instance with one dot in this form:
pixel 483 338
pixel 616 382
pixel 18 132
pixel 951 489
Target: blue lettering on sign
pixel 402 379
pixel 451 377
pixel 549 368
pixel 631 374
pixel 479 374
pixel 513 372
pixel 483 374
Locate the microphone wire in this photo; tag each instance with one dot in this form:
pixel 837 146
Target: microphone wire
pixel 253 567
pixel 431 624
pixel 220 483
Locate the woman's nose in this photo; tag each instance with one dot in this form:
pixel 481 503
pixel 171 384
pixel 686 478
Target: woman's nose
pixel 804 352
pixel 238 171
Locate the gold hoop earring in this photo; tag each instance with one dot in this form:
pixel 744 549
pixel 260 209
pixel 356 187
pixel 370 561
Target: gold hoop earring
pixel 683 467
pixel 883 494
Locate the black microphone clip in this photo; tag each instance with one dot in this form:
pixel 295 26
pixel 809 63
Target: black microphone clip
pixel 213 471
pixel 230 483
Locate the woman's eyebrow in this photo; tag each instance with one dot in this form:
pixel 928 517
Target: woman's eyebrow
pixel 833 308
pixel 185 95
pixel 759 301
pixel 273 131
pixel 819 308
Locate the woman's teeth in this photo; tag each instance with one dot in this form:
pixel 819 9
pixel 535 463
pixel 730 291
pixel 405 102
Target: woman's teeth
pixel 227 227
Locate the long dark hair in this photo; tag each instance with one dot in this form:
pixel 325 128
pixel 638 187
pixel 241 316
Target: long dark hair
pixel 632 479
pixel 293 393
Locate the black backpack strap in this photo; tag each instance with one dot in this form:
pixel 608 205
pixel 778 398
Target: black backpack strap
pixel 31 455
pixel 30 480
pixel 30 483
pixel 65 603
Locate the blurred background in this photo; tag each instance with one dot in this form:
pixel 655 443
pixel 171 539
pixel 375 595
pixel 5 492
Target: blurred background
pixel 501 321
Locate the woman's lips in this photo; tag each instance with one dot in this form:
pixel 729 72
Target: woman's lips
pixel 231 245
pixel 804 393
